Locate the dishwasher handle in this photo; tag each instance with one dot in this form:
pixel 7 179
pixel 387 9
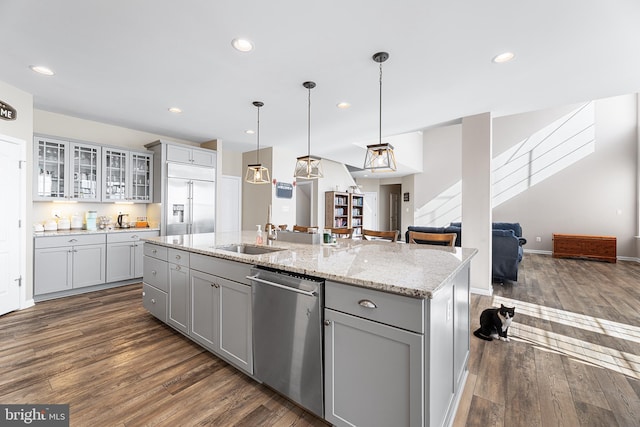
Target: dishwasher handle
pixel 277 285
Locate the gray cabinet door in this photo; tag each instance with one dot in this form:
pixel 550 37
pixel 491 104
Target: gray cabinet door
pixel 89 265
pixel 221 318
pixel 204 157
pixel 234 317
pixel 120 261
pixel 204 297
pixel 178 315
pixel 138 259
pixel 373 373
pixel 52 269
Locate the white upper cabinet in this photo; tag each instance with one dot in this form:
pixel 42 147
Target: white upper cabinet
pixel 66 170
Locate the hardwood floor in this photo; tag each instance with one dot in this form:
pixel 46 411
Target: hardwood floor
pixel 116 365
pixel 573 359
pixel 574 354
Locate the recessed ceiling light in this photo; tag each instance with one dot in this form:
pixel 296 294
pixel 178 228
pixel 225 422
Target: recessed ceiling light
pixel 249 131
pixel 175 110
pixel 243 45
pixel 40 69
pixel 343 105
pixel 503 57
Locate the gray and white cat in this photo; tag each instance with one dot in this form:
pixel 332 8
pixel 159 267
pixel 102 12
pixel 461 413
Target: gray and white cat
pixel 494 323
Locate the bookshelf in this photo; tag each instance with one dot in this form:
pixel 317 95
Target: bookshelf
pixel 344 210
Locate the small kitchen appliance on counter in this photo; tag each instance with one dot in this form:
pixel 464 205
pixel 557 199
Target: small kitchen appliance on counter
pixel 90 220
pixel 123 220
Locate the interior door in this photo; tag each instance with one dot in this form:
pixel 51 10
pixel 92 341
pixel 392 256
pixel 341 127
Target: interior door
pixel 11 247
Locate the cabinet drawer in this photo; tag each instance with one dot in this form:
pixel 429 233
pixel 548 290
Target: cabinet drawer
pixel 130 236
pixel 155 301
pixel 70 240
pixel 178 257
pixel 395 310
pixel 155 273
pixel 231 270
pixel 155 251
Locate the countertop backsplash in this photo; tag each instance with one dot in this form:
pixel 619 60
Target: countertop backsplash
pixel 43 211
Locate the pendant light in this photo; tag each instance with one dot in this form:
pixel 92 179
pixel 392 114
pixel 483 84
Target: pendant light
pixel 257 174
pixel 380 157
pixel 308 167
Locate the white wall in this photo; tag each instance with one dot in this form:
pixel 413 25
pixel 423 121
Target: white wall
pixel 596 195
pixel 22 128
pixel 256 198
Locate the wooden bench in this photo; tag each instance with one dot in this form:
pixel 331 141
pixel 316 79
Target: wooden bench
pixel 601 248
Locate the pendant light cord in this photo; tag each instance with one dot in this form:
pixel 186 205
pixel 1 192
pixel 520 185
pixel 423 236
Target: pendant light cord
pixel 258 139
pixel 309 126
pixel 380 110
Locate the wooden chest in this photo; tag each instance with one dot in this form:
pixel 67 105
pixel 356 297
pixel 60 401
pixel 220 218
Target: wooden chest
pixel 581 246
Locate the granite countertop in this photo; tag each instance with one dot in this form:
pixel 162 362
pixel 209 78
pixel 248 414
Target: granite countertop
pixel 417 271
pixel 98 231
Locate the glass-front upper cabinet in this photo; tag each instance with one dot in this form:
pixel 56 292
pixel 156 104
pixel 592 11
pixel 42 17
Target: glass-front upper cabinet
pixel 141 179
pixel 66 170
pixel 127 175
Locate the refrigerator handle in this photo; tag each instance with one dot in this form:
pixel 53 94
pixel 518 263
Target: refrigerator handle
pixel 190 201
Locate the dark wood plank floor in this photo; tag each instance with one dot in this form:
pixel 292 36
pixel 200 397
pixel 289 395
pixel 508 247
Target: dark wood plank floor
pixel 574 354
pixel 574 359
pixel 116 365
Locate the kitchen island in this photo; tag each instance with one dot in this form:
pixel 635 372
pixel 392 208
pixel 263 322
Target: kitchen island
pixel 395 317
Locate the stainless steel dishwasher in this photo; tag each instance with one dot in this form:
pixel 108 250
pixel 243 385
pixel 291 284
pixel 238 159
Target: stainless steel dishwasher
pixel 288 335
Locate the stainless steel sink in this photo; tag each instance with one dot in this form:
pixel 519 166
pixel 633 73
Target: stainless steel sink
pixel 249 249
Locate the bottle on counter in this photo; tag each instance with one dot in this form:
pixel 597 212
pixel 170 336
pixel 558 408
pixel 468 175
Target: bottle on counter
pixel 259 235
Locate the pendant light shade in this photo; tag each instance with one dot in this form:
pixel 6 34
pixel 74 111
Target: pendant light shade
pixel 380 157
pixel 256 173
pixel 308 167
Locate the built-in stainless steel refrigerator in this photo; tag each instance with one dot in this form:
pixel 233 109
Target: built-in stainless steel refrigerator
pixel 191 195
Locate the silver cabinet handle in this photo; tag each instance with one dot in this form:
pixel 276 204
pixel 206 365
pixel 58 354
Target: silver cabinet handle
pixel 135 236
pixel 367 304
pixel 153 300
pixel 155 251
pixel 177 256
pixel 177 268
pixel 154 272
pixel 144 293
pixel 215 285
pixel 73 240
pixel 327 323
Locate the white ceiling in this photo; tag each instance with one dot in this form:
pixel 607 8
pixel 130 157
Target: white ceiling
pixel 126 62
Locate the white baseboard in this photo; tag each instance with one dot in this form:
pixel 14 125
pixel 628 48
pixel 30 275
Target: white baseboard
pixel 482 291
pixel 27 304
pixel 541 252
pixel 537 251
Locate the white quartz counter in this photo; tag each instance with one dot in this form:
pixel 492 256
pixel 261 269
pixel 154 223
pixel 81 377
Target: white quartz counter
pixel 417 271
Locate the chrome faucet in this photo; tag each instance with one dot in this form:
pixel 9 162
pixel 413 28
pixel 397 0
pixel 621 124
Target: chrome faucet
pixel 271 234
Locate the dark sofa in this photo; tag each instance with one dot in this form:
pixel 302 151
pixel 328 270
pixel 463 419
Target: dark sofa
pixel 506 246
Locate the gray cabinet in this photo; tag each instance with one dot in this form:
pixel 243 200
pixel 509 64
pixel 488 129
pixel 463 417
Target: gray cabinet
pixel 179 302
pixel 374 372
pixel 66 170
pixel 191 155
pixel 221 309
pixel 155 280
pixel 125 255
pixel 128 175
pixel 63 263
